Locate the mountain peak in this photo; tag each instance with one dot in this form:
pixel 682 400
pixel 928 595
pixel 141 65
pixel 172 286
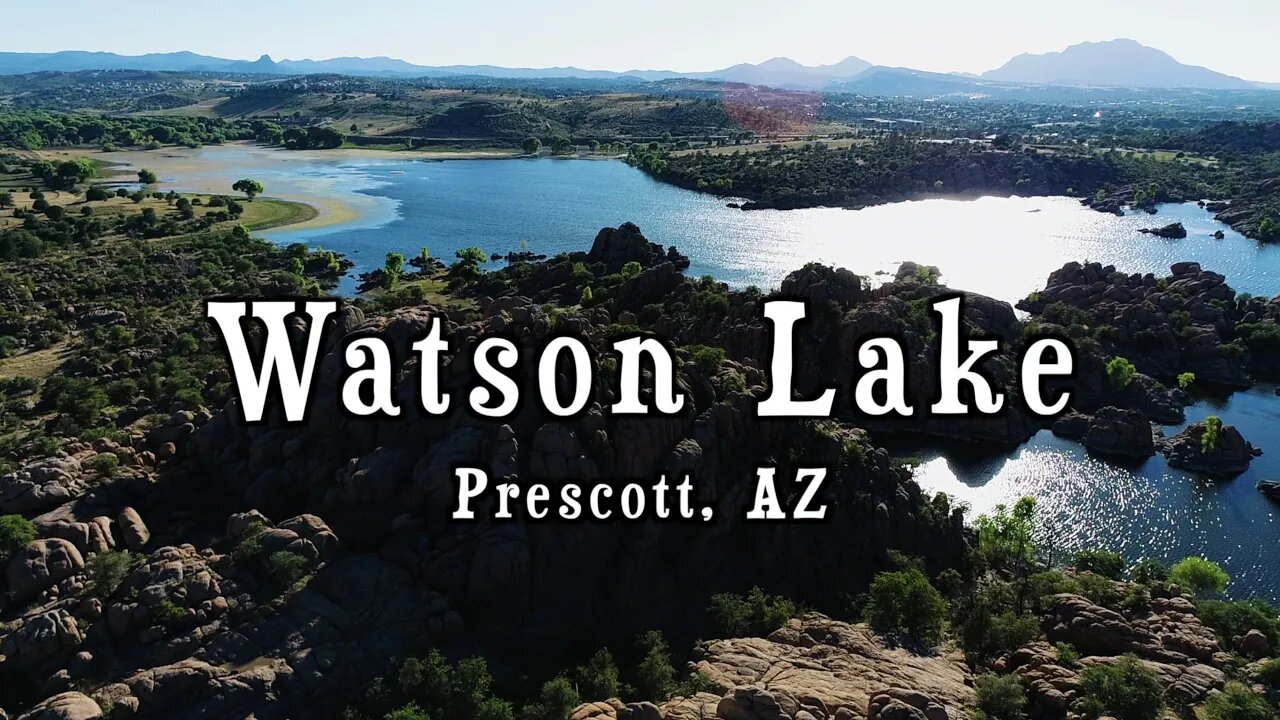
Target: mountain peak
pixel 1121 62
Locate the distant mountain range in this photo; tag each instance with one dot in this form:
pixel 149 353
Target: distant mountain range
pixel 1114 64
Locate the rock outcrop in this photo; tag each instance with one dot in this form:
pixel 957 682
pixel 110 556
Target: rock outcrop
pixel 1110 431
pixel 1224 457
pixel 836 668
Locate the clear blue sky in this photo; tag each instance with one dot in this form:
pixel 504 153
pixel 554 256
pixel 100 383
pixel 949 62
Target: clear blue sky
pixel 1233 36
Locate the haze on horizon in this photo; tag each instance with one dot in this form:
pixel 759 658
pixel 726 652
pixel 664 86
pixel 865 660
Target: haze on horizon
pixel 1234 37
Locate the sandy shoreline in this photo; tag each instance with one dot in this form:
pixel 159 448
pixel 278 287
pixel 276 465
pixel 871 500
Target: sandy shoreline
pixel 212 169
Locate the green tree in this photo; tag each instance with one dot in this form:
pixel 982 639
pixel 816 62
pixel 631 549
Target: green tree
pixel 1120 373
pixel 1126 690
pixel 147 177
pixel 598 679
pixel 904 601
pixel 1186 380
pixel 1005 538
pixel 392 269
pixel 15 532
pixel 531 145
pixel 556 700
pixel 655 675
pixel 468 264
pixel 1209 440
pixel 1101 562
pixel 1149 570
pixel 6 199
pixel 1199 575
pixel 250 187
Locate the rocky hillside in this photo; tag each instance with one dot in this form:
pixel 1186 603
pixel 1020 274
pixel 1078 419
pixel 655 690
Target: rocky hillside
pixel 215 569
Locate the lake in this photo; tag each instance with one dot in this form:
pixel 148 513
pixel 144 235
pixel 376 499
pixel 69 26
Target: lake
pixel 374 203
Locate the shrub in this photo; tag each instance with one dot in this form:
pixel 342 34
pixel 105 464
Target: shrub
pixel 1102 562
pixel 1235 618
pixel 555 701
pixel 15 532
pixel 904 601
pixel 1068 656
pixel 104 463
pixel 1199 575
pixel 1006 632
pixel 108 569
pixel 407 712
pixel 1148 571
pixel 1126 690
pixel 1268 673
pixel 1098 589
pixel 284 568
pixel 1186 380
pixel 1000 697
pixel 1051 582
pixel 1120 373
pixel 168 612
pixel 706 357
pixel 1237 702
pixel 752 614
pixel 598 679
pixel 632 269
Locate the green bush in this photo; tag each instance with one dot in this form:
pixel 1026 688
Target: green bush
pixel 1148 571
pixel 706 357
pixel 1268 673
pixel 1000 697
pixel 1235 618
pixel 1101 562
pixel 1068 656
pixel 1125 690
pixel 15 532
pixel 752 614
pixel 1120 373
pixel 904 601
pixel 108 569
pixel 1098 589
pixel 407 712
pixel 284 568
pixel 104 464
pixel 1237 702
pixel 1199 575
pixel 555 701
pixel 168 612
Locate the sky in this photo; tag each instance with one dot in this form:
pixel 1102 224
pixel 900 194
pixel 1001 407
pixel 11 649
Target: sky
pixel 1237 37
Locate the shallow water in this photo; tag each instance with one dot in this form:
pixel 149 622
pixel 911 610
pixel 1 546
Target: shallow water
pixel 1003 247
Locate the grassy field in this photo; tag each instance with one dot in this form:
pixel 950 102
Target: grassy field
pixel 38 364
pixel 266 213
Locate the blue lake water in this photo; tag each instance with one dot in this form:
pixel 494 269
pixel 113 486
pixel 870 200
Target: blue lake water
pixel 1003 247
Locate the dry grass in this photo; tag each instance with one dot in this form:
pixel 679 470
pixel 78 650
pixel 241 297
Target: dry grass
pixel 38 364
